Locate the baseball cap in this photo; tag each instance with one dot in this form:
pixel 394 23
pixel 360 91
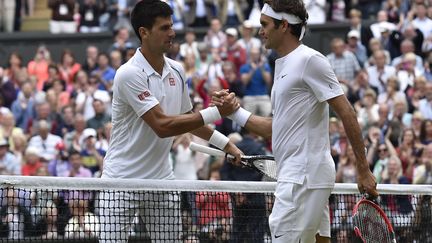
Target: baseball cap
pixel 232 32
pixel 3 142
pixel 247 24
pixel 353 34
pixel 89 132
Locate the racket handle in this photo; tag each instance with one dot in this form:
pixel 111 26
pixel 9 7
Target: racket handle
pixel 207 150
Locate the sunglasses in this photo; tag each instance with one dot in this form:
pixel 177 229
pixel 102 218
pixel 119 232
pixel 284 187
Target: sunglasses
pixel 382 150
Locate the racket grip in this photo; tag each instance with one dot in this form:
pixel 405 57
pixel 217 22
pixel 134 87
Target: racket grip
pixel 207 150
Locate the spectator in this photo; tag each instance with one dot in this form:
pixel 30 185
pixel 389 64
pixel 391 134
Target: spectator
pixel 316 10
pixel 256 79
pixel 38 67
pixel 83 224
pixel 103 137
pixel 233 80
pixel 423 172
pixel 367 111
pixel 122 41
pixel 376 45
pixel 391 94
pixel 20 144
pixel 425 104
pixel 407 46
pixel 7 15
pixel 381 24
pixel 356 24
pixel 426 132
pixel 31 161
pixel 407 71
pixel 76 167
pixel 104 72
pixel 356 47
pixel 100 118
pixel 343 62
pixel 90 63
pixel 231 12
pixel 408 151
pixel 215 38
pixel 62 18
pixel 15 219
pixel 178 8
pixel 421 20
pixel 346 171
pixel 65 121
pixel 190 47
pixel 45 141
pixel 53 74
pixel 380 72
pixel 9 164
pixel 248 39
pixel 91 157
pixel 199 13
pixel 234 52
pixel 68 68
pixel 60 164
pixel 385 151
pixel 8 128
pixel 23 106
pixel 90 11
pixel 14 69
pixel 116 59
pixel 73 138
pixel 184 165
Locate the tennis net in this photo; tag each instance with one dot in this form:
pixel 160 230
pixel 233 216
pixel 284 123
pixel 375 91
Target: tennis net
pixel 36 209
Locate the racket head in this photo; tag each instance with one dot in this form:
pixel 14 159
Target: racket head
pixel 265 164
pixel 371 224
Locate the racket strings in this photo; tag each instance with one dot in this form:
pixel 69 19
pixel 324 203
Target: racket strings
pixel 268 167
pixel 372 226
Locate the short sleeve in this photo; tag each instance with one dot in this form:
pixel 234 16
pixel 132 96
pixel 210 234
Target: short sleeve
pixel 133 88
pixel 320 77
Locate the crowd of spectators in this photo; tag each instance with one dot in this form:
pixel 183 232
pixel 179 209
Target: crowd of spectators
pixel 55 116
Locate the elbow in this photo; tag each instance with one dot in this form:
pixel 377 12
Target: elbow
pixel 162 133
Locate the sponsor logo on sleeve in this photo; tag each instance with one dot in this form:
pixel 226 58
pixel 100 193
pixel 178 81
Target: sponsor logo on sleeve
pixel 143 95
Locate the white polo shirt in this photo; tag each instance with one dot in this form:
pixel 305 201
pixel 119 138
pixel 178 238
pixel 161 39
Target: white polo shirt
pixel 135 151
pixel 303 81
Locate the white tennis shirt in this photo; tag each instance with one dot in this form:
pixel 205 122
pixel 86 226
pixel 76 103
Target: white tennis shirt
pixel 303 81
pixel 135 151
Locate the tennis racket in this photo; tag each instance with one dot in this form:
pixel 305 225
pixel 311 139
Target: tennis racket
pixel 264 164
pixel 371 224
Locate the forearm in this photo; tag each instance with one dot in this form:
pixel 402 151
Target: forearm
pixel 259 125
pixel 175 125
pixel 203 132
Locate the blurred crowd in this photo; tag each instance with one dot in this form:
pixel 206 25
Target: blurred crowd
pixel 55 116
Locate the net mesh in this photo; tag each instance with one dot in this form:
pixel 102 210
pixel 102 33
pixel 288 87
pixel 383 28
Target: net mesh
pixel 35 209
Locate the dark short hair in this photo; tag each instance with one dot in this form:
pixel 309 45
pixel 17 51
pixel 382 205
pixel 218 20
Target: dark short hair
pixel 145 12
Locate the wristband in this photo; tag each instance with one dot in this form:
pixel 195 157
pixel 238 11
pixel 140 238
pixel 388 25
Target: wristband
pixel 240 116
pixel 218 139
pixel 210 114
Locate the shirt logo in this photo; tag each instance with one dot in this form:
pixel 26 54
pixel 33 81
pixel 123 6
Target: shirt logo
pixel 143 95
pixel 172 81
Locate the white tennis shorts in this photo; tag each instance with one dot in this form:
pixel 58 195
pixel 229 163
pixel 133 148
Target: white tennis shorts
pixel 299 213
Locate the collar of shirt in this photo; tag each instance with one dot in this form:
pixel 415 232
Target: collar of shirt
pixel 142 62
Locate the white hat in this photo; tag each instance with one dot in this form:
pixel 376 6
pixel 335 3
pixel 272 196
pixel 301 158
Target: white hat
pixel 3 142
pixel 232 32
pixel 247 24
pixel 89 132
pixel 32 150
pixel 353 34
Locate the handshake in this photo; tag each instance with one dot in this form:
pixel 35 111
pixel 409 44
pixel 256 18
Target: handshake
pixel 225 104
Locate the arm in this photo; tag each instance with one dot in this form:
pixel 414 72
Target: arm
pixel 366 181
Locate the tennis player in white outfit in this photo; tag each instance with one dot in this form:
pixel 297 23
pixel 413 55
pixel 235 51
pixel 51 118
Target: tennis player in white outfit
pixel 150 102
pixel 304 86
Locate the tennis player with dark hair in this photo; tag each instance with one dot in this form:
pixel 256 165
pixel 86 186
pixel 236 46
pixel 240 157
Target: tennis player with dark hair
pixel 150 102
pixel 304 87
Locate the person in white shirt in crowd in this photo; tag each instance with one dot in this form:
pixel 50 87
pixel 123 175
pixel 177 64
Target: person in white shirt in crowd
pixel 343 62
pixel 421 20
pixel 190 46
pixel 407 46
pixel 381 23
pixel 425 104
pixel 248 39
pixel 45 141
pixel 215 37
pixel 407 71
pixel 316 10
pixel 380 72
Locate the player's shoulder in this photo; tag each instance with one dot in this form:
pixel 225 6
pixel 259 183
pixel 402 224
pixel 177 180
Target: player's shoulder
pixel 129 71
pixel 174 64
